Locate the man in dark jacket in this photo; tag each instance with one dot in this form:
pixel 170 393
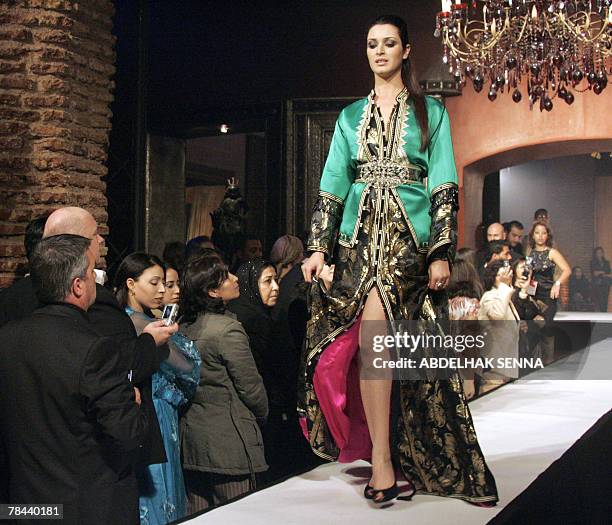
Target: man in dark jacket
pixel 142 354
pixel 69 417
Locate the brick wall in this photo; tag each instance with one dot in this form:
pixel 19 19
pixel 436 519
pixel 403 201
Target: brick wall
pixel 56 63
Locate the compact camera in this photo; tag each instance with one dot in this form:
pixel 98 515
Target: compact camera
pixel 170 314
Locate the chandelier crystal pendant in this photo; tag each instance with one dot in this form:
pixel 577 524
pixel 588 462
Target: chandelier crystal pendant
pixel 552 47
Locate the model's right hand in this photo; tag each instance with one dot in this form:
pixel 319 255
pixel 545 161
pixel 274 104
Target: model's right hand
pixel 313 265
pixel 160 332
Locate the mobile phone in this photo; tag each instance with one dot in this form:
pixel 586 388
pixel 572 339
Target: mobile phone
pixel 506 263
pixel 170 314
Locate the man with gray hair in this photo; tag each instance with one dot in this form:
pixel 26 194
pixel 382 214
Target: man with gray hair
pixel 69 418
pixel 142 354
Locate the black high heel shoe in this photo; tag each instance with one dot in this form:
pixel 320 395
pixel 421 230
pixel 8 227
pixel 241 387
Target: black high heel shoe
pixel 368 492
pixel 388 494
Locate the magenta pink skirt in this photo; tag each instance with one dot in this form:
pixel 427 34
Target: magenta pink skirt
pixel 336 384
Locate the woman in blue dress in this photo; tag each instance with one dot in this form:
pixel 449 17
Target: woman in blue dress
pixel 139 285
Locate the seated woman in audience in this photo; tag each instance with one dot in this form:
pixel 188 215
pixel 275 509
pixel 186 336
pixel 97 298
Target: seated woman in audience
pixel 139 285
pixel 496 305
pixel 600 275
pixel 580 291
pixel 464 291
pixel 220 436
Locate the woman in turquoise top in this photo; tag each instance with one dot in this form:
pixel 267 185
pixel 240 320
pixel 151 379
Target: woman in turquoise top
pixel 139 284
pixel 386 216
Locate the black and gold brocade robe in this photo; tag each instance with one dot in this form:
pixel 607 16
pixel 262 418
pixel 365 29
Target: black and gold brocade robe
pixel 385 210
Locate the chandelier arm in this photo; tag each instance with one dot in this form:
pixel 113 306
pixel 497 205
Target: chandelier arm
pixel 578 34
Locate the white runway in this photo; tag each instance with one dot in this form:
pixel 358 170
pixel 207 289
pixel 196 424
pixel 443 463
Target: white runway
pixel 522 428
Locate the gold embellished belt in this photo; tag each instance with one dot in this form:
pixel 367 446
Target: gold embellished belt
pixel 382 173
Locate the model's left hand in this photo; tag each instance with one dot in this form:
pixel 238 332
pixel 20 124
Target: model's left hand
pixel 439 275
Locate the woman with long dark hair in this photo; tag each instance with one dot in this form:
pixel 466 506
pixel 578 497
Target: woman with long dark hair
pixel 139 285
pixel 544 259
pixel 222 444
pixel 386 216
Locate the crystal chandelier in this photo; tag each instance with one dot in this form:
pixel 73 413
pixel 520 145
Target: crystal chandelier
pixel 551 47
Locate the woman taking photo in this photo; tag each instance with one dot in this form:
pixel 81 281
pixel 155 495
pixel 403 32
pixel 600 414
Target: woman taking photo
pixel 139 285
pixel 221 441
pixel 386 217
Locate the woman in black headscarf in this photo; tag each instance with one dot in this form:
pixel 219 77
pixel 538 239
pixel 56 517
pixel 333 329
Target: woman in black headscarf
pixel 258 294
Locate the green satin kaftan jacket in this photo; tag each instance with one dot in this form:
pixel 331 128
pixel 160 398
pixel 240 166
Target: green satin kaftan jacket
pixel 416 177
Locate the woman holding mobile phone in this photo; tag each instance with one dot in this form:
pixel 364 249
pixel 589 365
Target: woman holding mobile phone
pixel 139 285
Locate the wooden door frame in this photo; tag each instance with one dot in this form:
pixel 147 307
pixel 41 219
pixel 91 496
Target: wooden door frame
pixel 266 118
pixel 306 117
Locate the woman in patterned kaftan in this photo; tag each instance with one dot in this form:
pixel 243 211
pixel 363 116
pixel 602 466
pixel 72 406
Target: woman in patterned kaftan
pixel 386 216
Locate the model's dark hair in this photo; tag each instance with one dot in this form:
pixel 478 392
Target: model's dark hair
pixel 55 263
pixel 132 267
pixel 490 274
pixel 409 77
pixel 549 238
pixel 203 273
pixel 464 280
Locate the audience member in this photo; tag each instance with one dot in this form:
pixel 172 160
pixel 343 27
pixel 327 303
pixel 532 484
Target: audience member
pixel 544 259
pixel 221 438
pixel 514 236
pixel 290 310
pixel 496 305
pixel 142 354
pixel 287 253
pixel 498 251
pixel 580 299
pixel 172 285
pixel 174 255
pixel 496 232
pixel 464 291
pixel 600 275
pixel 18 297
pixel 467 254
pixel 530 311
pixel 196 245
pixel 139 284
pixel 69 416
pixel 249 248
pixel 276 362
pixel 541 215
